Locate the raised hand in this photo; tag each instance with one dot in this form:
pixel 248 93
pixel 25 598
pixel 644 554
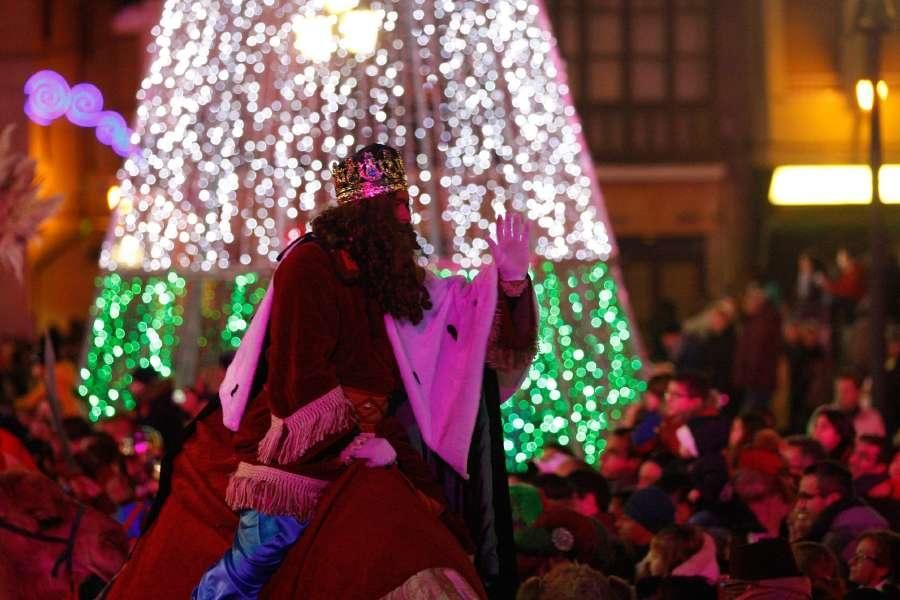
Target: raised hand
pixel 512 250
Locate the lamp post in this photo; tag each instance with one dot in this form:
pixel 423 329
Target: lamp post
pixel 874 18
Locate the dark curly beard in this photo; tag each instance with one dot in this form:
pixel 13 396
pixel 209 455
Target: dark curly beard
pixel 385 250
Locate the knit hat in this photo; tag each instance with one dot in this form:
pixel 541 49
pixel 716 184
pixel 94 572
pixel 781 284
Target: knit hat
pixel 651 508
pixel 526 504
pixel 564 532
pixel 760 460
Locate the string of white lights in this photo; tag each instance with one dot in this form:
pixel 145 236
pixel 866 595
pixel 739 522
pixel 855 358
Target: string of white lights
pixel 247 102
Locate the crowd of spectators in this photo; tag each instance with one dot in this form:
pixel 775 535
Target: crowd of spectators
pixel 112 465
pixel 754 465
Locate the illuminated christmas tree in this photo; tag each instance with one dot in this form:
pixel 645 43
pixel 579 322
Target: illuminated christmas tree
pixel 245 106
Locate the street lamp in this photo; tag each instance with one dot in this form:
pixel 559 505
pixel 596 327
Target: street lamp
pixel 873 19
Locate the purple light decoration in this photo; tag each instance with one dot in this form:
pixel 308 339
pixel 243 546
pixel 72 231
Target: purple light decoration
pixel 109 125
pixel 49 97
pixel 85 106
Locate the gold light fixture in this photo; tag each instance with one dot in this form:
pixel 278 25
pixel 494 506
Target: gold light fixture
pixel 357 30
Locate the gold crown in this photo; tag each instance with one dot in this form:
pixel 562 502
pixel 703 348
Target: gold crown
pixel 371 171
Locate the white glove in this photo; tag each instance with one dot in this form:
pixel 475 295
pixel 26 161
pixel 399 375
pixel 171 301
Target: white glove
pixel 512 251
pixel 376 452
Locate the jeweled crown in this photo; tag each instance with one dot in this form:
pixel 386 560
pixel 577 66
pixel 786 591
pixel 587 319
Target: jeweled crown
pixel 369 172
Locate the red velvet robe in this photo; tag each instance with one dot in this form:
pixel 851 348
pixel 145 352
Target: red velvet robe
pixel 371 529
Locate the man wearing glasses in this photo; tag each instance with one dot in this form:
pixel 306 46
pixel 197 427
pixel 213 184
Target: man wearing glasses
pixel 874 563
pixel 835 516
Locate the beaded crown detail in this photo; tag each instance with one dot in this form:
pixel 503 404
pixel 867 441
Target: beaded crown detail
pixel 371 171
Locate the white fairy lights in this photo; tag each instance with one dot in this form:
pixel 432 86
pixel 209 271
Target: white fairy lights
pixel 240 116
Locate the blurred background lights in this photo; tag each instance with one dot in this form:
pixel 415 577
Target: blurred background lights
pixel 244 107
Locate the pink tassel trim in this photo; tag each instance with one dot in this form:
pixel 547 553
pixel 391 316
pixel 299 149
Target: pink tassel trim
pixel 434 583
pixel 308 425
pixel 273 491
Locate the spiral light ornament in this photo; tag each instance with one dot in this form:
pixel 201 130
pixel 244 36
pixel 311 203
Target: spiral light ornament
pixel 48 97
pixel 85 106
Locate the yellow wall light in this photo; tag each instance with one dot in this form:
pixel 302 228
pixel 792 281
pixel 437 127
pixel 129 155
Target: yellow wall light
pixel 113 196
pixel 865 93
pixel 832 185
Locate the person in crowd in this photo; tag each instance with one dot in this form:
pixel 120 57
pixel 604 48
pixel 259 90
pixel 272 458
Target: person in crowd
pixel 190 400
pixel 819 563
pixel 13 451
pixel 809 371
pixel 828 511
pixel 894 473
pixel 759 500
pixel 811 296
pixel 707 346
pixel 591 495
pixel 645 513
pixel 800 452
pixel 765 569
pixel 557 459
pixel 869 464
pixel 561 535
pixel 555 490
pixel 653 468
pixel 702 442
pixel 892 378
pixel 155 408
pixel 526 504
pixel 66 380
pixel 688 395
pixel 645 416
pixel 682 550
pixel 849 400
pixel 758 349
pixel 875 562
pixel 833 429
pixel 567 581
pixel 847 289
pixel 744 428
pixel 209 379
pixel 672 340
pixel 720 344
pixel 619 463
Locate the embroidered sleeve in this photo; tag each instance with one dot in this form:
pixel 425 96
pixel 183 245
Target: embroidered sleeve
pixel 513 289
pixel 514 335
pixel 307 403
pixel 288 439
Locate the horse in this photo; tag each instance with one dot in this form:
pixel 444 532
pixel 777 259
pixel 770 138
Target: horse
pixel 49 543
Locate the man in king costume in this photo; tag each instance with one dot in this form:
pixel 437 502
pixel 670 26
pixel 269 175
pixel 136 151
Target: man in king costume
pixel 358 434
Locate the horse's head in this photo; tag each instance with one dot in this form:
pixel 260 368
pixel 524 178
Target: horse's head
pixel 30 503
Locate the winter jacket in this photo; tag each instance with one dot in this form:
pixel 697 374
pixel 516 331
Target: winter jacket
pixel 841 523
